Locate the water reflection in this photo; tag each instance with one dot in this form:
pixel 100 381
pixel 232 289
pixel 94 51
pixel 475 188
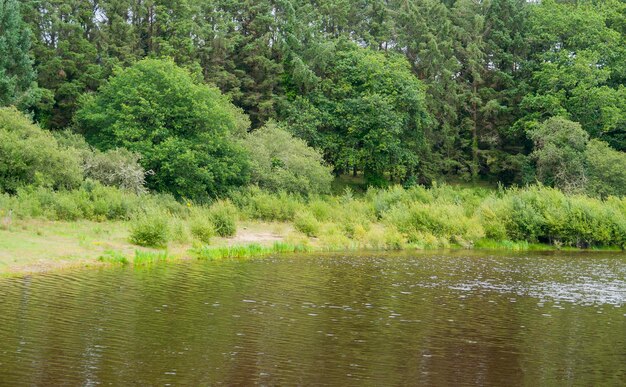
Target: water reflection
pixel 427 319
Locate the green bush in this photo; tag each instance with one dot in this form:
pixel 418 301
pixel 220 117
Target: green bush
pixel 262 205
pixel 178 230
pixel 306 223
pixel 542 214
pixel 441 220
pixel 281 162
pixel 223 216
pixel 32 156
pixel 182 128
pixel 202 229
pixel 150 230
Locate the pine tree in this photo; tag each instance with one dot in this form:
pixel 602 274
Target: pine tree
pixel 16 66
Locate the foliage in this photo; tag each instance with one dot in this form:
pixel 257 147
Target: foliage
pixel 116 167
pixel 150 230
pixel 606 169
pixel 258 204
pixel 306 223
pixel 281 162
pixel 223 216
pixel 181 128
pixel 559 152
pixel 201 228
pixel 356 80
pixel 370 112
pixel 31 156
pixel 17 76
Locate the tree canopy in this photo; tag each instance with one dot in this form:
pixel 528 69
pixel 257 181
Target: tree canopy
pixel 398 90
pixel 181 128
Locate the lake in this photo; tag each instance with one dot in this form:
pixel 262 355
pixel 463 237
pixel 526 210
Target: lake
pixel 426 318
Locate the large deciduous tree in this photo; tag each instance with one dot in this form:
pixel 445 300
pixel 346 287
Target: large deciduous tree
pixel 367 112
pixel 181 127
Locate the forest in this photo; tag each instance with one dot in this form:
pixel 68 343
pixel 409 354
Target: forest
pixel 220 102
pixel 409 91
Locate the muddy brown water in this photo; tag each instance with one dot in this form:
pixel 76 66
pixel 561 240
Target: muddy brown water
pixel 435 318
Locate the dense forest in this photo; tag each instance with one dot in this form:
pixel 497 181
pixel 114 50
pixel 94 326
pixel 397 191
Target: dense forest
pixel 405 91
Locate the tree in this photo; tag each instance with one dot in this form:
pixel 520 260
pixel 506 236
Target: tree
pixel 17 77
pixel 560 154
pixel 368 112
pixel 281 162
pixel 181 128
pixel 578 60
pixel 606 169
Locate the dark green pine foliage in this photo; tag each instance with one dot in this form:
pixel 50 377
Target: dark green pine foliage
pixel 16 66
pixel 67 61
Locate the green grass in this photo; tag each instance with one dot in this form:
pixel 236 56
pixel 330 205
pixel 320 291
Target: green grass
pixel 113 257
pixel 147 258
pixel 248 251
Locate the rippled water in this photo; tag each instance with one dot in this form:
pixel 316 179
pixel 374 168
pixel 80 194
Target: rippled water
pixel 419 319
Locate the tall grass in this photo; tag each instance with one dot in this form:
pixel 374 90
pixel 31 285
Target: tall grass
pixel 247 251
pixel 385 218
pixel 147 258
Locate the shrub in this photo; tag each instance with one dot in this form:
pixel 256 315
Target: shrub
pixel 559 153
pixel 150 230
pixel 178 230
pixel 223 216
pixel 117 167
pixel 262 205
pixel 306 223
pixel 394 240
pixel 281 162
pixel 441 220
pixel 201 229
pixel 32 156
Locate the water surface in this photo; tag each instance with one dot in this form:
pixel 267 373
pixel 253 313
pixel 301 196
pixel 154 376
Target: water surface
pixel 453 318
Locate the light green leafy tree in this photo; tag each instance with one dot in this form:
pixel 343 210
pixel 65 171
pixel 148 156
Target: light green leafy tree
pixel 281 162
pixel 560 154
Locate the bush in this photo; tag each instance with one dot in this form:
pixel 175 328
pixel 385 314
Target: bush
pixel 441 220
pixel 281 162
pixel 150 230
pixel 117 167
pixel 262 205
pixel 541 214
pixel 201 229
pixel 32 156
pixel 223 216
pixel 559 152
pixel 178 230
pixel 182 128
pixel 306 223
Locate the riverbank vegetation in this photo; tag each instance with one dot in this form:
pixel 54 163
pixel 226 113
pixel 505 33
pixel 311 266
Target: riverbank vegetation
pixel 391 218
pixel 178 123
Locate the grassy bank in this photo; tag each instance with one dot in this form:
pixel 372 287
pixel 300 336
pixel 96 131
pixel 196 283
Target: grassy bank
pixel 94 225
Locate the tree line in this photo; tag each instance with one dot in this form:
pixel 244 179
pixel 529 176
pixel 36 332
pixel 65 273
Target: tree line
pixel 409 91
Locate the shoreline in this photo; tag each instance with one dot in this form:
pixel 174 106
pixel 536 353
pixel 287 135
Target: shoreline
pixel 88 245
